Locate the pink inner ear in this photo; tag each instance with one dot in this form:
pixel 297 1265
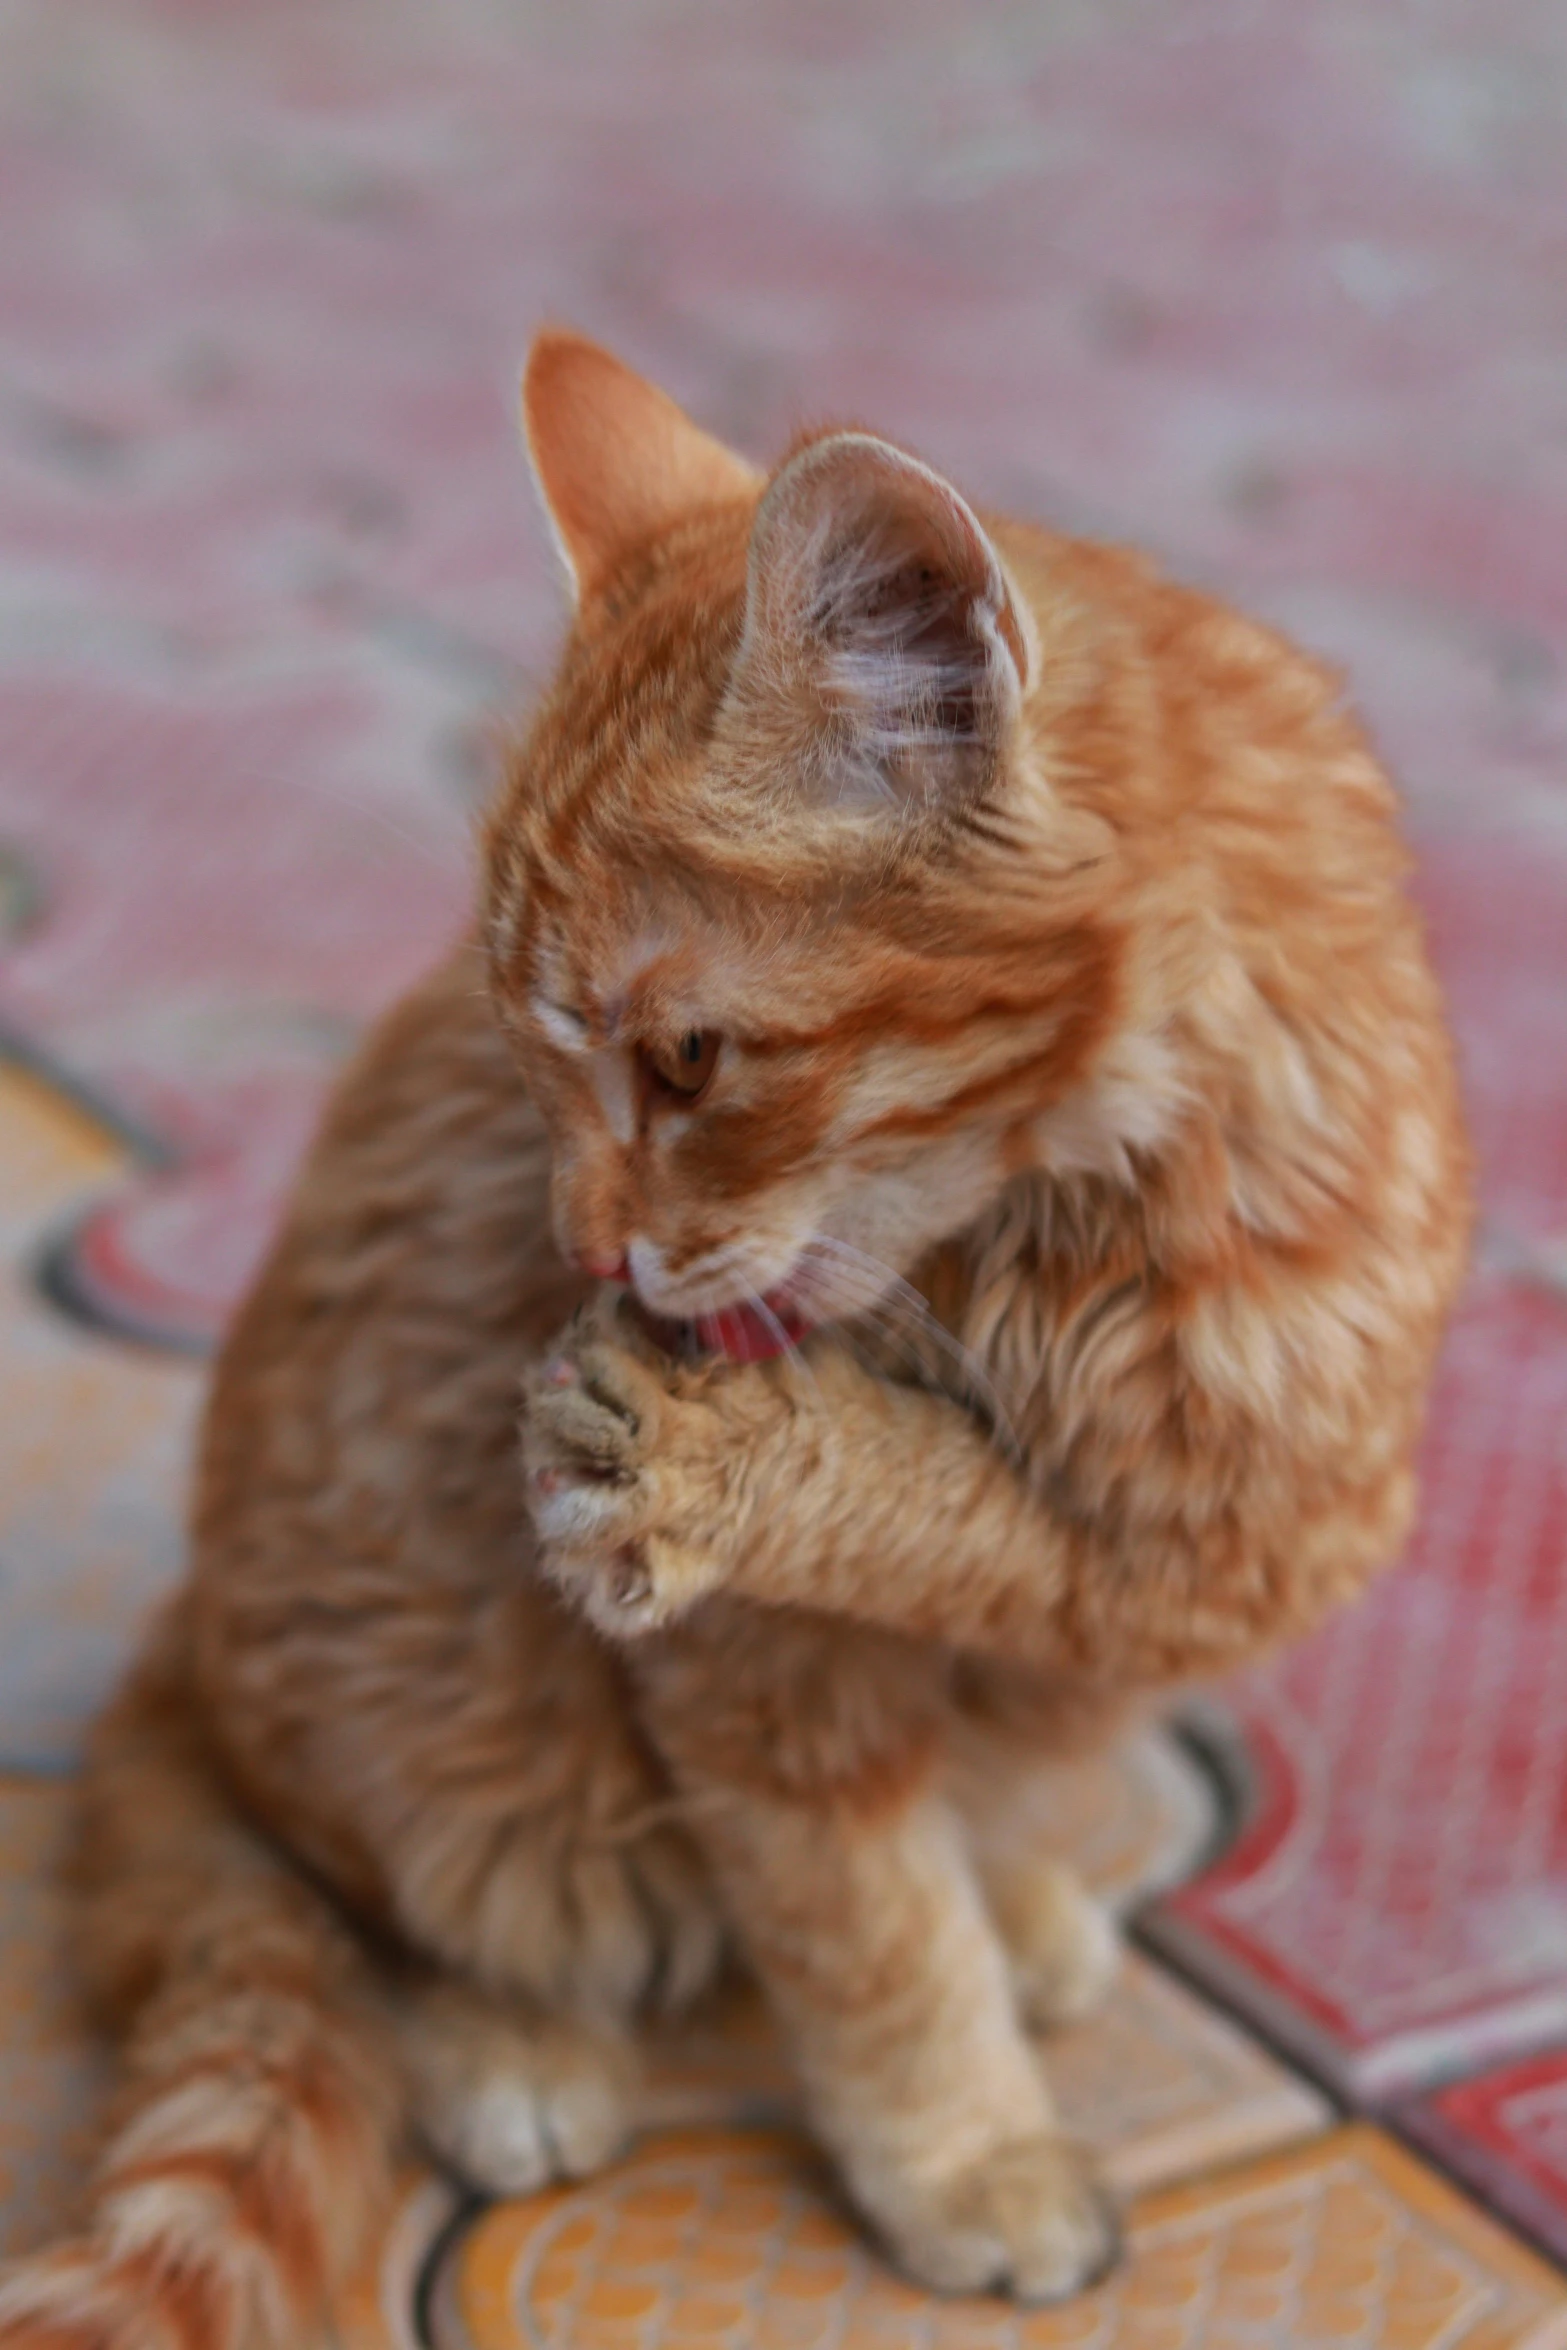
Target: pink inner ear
pixel 920 622
pixel 881 651
pixel 911 595
pixel 865 550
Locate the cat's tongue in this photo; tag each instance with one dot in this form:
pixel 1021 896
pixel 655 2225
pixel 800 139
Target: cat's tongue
pixel 741 1333
pixel 748 1335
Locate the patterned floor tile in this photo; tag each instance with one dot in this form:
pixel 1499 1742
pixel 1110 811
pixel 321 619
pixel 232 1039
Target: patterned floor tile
pixel 383 2309
pixel 94 1442
pixel 1505 2133
pixel 1164 2088
pixel 732 2241
pixel 214 1027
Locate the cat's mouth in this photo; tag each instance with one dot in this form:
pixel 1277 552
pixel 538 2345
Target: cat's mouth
pixel 752 1331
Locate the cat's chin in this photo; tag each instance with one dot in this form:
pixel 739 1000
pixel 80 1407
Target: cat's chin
pixel 746 1333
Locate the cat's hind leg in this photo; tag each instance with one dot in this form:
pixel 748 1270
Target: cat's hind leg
pixel 1007 1746
pixel 1063 1946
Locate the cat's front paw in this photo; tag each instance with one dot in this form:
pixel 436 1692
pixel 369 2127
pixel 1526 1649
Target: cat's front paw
pixel 1028 2219
pixel 624 1479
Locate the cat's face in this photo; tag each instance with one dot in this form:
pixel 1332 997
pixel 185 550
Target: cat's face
pixel 787 1023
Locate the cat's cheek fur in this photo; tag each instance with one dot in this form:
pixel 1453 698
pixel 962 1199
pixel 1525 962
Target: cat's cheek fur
pixel 892 1215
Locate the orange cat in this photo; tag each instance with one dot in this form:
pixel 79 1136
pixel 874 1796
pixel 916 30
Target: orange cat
pixel 958 1150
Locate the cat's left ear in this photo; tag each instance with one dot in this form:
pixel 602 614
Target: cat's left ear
pixel 882 635
pixel 616 461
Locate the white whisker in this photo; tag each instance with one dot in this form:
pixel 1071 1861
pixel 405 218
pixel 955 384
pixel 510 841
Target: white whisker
pixel 881 1290
pixel 786 1344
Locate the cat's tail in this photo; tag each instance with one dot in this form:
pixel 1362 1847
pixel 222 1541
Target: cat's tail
pixel 247 2164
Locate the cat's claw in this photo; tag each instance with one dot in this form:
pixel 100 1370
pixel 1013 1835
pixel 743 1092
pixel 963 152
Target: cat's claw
pixel 615 1481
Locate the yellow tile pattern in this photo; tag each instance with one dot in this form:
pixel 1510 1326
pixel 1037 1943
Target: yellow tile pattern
pixel 724 2242
pixel 53 1148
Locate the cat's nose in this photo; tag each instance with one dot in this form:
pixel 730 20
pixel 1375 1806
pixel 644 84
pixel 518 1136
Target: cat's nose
pixel 607 1268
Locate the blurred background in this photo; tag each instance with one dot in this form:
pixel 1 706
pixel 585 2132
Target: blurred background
pixel 1276 288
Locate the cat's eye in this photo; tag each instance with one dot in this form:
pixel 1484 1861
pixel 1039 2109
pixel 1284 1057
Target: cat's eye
pixel 684 1067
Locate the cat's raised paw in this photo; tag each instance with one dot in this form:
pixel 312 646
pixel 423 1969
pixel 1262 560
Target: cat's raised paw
pixel 1028 2219
pixel 616 1482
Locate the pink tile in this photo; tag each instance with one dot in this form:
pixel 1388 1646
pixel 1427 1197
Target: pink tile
pixel 1505 2134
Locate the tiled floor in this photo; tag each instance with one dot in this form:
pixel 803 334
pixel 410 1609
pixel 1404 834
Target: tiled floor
pixel 1278 291
pixel 731 2241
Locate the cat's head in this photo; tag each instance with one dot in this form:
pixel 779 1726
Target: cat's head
pixel 796 936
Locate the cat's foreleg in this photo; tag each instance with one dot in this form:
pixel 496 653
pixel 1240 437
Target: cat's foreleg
pixel 816 1485
pixel 808 1755
pixel 654 1484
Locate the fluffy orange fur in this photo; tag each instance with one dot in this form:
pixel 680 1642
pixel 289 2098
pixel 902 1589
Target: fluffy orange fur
pixel 955 1177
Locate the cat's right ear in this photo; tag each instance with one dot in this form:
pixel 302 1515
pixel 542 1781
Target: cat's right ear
pixel 615 460
pixel 885 652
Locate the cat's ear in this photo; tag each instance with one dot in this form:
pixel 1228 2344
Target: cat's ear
pixel 615 460
pixel 880 626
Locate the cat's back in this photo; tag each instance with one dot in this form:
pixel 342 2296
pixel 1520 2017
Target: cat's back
pixel 1210 738
pixel 1315 1167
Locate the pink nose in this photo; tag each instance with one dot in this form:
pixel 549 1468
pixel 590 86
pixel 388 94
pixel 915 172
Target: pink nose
pixel 607 1268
